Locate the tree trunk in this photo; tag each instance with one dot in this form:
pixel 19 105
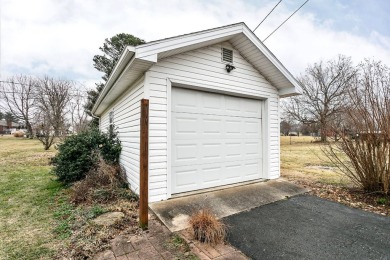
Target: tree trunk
pixel 29 130
pixel 323 132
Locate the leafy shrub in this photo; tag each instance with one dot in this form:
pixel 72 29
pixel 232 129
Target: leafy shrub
pixel 381 201
pixel 78 154
pixel 207 228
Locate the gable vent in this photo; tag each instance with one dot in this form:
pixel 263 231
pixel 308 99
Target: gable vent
pixel 227 55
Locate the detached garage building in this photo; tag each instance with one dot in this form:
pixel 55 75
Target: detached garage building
pixel 213 113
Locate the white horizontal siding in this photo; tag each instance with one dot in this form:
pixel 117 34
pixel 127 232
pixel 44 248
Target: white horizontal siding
pixel 127 123
pixel 104 122
pixel 274 137
pixel 202 67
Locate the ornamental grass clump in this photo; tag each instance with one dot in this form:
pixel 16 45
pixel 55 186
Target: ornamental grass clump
pixel 207 228
pixel 18 134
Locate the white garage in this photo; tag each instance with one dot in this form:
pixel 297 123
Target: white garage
pixel 213 110
pixel 216 140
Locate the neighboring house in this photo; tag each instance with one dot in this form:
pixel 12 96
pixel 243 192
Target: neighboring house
pixel 207 127
pixel 6 127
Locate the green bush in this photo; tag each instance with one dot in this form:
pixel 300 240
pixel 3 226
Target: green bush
pixel 79 153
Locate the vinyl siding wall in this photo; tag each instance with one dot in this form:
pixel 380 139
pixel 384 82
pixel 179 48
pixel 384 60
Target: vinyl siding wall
pixel 127 123
pixel 203 67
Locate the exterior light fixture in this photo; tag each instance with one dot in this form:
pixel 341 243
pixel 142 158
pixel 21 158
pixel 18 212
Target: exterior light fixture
pixel 229 67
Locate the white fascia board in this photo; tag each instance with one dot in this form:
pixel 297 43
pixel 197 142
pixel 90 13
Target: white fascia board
pixel 288 92
pixel 188 35
pixel 187 40
pixel 271 57
pixel 127 54
pixel 151 58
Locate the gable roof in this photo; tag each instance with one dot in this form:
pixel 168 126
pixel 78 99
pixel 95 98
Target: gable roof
pixel 134 61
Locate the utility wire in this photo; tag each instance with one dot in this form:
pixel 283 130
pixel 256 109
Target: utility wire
pixel 285 20
pixel 267 15
pixel 26 84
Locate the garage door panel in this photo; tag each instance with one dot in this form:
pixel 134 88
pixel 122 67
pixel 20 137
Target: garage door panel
pixel 251 127
pixel 185 125
pixel 211 152
pixel 233 172
pixel 211 175
pixel 184 102
pixel 186 153
pixel 184 180
pixel 251 169
pixel 210 126
pixel 233 150
pixel 218 143
pixel 197 102
pixel 210 103
pixel 251 108
pixel 251 149
pixel 233 126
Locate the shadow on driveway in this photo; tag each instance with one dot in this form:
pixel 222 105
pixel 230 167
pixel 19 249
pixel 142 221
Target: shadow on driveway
pixel 308 227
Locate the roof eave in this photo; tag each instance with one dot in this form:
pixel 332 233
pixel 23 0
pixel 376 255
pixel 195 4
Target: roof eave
pixel 127 54
pixel 289 92
pixel 294 89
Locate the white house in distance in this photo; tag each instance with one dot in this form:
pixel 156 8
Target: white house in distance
pixel 213 114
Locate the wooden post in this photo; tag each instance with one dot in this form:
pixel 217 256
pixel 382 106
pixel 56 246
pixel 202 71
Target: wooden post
pixel 144 161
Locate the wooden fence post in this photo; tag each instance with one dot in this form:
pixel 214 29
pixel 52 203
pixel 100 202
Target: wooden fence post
pixel 144 161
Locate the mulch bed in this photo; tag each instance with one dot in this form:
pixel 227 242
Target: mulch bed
pixel 350 196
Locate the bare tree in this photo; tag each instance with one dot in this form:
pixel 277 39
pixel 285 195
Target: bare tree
pixel 363 152
pixel 18 94
pixel 44 130
pixel 78 115
pixel 52 98
pixel 324 93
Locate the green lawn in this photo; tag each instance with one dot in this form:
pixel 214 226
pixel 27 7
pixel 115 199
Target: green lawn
pixel 27 193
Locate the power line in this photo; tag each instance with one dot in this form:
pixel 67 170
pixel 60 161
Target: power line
pixel 285 20
pixel 267 15
pixel 25 84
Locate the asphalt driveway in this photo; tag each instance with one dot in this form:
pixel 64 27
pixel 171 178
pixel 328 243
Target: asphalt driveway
pixel 308 227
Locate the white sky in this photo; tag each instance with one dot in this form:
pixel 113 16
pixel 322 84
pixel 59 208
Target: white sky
pixel 60 37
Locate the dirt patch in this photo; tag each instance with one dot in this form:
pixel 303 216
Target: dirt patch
pixel 321 167
pixel 88 238
pixel 350 196
pixel 108 219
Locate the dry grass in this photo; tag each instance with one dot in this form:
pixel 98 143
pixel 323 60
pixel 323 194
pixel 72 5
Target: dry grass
pixel 104 183
pixel 303 162
pixel 207 228
pixel 303 159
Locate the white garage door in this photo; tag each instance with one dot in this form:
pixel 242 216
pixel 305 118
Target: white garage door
pixel 216 140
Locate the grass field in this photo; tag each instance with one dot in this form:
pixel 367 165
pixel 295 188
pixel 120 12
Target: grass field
pixel 302 158
pixel 27 192
pixel 29 199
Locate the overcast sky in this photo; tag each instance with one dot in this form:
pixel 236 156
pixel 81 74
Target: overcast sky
pixel 60 37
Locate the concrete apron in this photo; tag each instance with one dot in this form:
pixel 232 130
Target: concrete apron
pixel 174 213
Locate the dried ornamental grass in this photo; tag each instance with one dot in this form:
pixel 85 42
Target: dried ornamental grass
pixel 104 183
pixel 18 134
pixel 207 228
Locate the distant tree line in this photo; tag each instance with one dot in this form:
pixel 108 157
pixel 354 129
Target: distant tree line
pixel 48 108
